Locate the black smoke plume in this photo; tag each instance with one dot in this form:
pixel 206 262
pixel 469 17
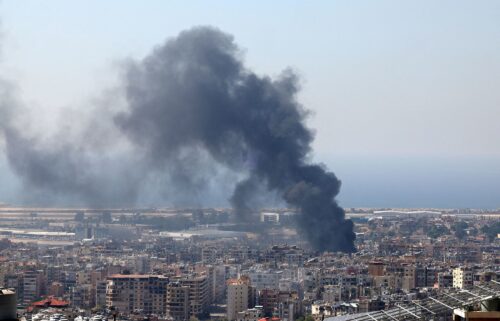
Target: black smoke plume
pixel 194 91
pixel 190 103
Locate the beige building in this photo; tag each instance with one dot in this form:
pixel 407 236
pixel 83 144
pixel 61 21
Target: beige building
pixel 289 306
pixel 199 292
pixel 390 280
pixel 239 295
pixel 462 278
pixel 83 277
pixel 128 293
pixel 410 277
pixel 178 307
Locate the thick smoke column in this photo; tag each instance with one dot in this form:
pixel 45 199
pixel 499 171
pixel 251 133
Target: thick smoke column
pixel 194 93
pixel 191 112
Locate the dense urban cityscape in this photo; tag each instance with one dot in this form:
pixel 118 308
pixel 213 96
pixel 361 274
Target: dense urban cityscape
pixel 249 160
pixel 202 264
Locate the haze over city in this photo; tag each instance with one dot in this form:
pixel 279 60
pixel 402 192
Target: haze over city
pixel 403 96
pixel 249 160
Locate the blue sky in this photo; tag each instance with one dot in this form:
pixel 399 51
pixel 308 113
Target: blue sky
pixel 404 94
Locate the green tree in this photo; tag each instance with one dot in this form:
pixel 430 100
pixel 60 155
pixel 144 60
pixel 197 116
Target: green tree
pixel 491 231
pixel 460 230
pixel 436 231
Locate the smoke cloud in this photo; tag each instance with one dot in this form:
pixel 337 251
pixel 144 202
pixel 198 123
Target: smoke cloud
pixel 193 112
pixel 194 91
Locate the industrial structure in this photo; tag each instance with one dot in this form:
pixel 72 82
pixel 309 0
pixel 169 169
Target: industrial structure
pixel 480 302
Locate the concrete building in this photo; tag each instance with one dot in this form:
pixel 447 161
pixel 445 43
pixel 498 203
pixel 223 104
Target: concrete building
pixel 267 217
pixel 376 268
pixel 100 293
pixel 199 293
pixel 15 281
pixel 445 280
pixel 253 314
pixel 265 279
pixel 239 297
pixel 177 305
pixel 141 264
pixel 8 304
pixel 209 254
pixel 218 278
pixel 332 293
pixel 32 286
pixel 409 277
pixel 268 299
pixel 289 306
pixel 128 293
pixel 462 278
pixel 81 296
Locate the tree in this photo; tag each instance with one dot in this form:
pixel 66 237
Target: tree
pixel 491 231
pixel 460 230
pixel 436 231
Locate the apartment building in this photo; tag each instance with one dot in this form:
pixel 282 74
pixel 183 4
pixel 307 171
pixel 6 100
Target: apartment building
pixel 199 292
pixel 240 297
pixel 32 286
pixel 177 305
pixel 129 293
pixel 265 279
pixel 462 278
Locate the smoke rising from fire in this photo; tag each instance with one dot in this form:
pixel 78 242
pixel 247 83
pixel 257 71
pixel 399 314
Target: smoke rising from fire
pixel 191 108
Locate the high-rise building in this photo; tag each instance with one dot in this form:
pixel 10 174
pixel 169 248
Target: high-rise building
pixel 199 292
pixel 240 296
pixel 32 286
pixel 15 281
pixel 177 305
pixel 289 306
pixel 141 263
pixel 462 278
pixel 7 305
pixel 100 294
pixel 128 293
pixel 376 268
pixel 268 299
pixel 445 280
pixel 218 277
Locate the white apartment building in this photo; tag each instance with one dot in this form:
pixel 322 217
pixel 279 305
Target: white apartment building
pixel 265 279
pixel 462 278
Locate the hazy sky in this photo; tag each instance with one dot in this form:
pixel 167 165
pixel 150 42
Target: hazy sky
pixel 405 94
